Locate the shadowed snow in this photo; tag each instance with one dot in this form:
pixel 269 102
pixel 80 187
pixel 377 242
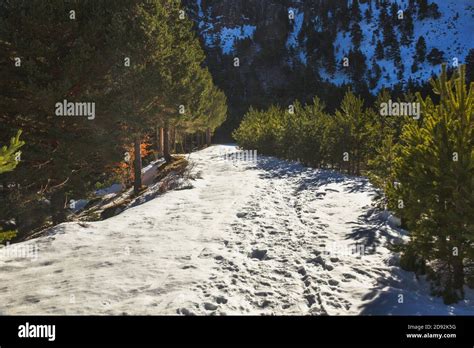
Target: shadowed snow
pixel 270 237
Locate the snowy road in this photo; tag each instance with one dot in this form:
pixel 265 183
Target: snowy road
pixel 270 237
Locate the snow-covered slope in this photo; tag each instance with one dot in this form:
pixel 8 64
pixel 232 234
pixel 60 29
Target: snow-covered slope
pixel 452 33
pixel 249 238
pixel 221 27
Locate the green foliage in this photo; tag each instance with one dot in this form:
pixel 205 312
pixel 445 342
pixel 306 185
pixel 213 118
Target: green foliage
pixel 435 171
pixel 84 60
pixel 6 236
pixel 10 156
pixel 425 166
pixel 309 134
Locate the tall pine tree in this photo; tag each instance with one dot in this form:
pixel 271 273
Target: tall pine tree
pixel 435 172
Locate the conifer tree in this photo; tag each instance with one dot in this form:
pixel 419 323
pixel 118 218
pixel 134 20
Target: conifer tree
pixel 435 57
pixel 394 14
pixel 352 120
pixel 42 69
pixel 389 38
pixel 10 156
pixel 376 73
pixel 407 28
pixel 380 165
pixel 369 14
pixel 421 49
pixel 330 61
pixel 379 50
pixel 422 8
pixel 357 67
pixel 356 34
pixel 435 172
pixel 470 66
pixel 355 11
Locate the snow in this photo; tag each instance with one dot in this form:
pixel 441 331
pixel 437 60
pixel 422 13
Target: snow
pixel 450 35
pixel 114 188
pixel 225 37
pixel 228 36
pixel 297 25
pixel 149 172
pixel 264 237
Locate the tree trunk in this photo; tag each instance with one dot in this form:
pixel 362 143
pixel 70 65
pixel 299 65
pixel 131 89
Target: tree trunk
pixel 357 165
pixel 137 166
pixel 162 141
pixel 181 137
pixel 173 139
pixel 208 136
pixel 159 141
pixel 166 143
pixel 58 210
pixel 458 274
pixel 185 145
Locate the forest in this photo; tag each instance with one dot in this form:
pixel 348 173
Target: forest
pixel 138 66
pixel 424 166
pixel 223 155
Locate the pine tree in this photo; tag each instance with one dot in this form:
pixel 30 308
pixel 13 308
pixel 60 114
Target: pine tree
pixel 380 165
pixel 10 156
pixel 356 34
pixel 62 153
pixel 407 28
pixel 379 50
pixel 141 34
pixel 331 60
pixel 368 14
pixel 435 57
pixel 421 49
pixel 216 112
pixel 400 71
pixel 357 66
pixel 394 14
pixel 355 11
pixel 375 75
pixel 383 16
pixel 435 175
pixel 394 52
pixel 352 120
pixel 422 8
pixel 389 37
pixel 138 62
pixel 470 66
pixel 184 66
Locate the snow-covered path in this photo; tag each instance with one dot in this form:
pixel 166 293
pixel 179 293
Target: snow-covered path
pixel 270 237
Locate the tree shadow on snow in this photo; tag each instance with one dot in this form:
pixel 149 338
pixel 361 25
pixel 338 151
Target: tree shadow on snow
pixel 309 178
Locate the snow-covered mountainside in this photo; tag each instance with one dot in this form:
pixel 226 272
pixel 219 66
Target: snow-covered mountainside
pixel 259 237
pixel 302 28
pixel 452 34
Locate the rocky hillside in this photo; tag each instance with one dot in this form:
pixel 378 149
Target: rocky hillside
pixel 289 49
